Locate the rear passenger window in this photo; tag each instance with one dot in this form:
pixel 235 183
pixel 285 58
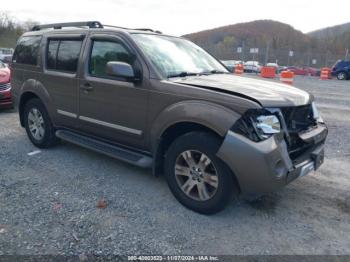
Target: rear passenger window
pixel 27 50
pixel 103 52
pixel 63 55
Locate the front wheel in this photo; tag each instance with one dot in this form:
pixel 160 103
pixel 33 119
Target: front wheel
pixel 196 176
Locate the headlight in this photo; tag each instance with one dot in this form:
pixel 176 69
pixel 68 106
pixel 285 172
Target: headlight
pixel 258 125
pixel 268 125
pixel 316 114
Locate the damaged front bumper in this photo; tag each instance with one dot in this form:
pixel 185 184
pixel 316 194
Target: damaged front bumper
pixel 262 167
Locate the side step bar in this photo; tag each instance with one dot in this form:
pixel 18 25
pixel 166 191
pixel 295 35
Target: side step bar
pixel 119 153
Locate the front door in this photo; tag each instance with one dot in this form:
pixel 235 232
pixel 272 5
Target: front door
pixel 112 108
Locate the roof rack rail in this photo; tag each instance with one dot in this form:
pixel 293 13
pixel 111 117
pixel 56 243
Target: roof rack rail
pixel 113 26
pixel 90 24
pixel 148 29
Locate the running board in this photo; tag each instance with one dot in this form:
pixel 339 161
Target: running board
pixel 119 153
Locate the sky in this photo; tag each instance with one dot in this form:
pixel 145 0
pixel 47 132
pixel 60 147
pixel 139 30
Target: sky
pixel 179 17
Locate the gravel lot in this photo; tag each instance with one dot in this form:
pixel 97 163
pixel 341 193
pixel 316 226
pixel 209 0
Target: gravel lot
pixel 48 201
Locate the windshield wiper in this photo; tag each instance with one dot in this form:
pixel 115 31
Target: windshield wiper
pixel 216 72
pixel 182 74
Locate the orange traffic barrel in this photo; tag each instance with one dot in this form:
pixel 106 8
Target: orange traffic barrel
pixel 287 77
pixel 326 73
pixel 268 72
pixel 239 69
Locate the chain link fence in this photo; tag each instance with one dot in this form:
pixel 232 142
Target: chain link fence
pixel 283 57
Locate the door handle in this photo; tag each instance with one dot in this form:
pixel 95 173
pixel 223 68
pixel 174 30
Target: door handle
pixel 86 87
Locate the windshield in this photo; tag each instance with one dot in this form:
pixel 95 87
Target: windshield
pixel 174 57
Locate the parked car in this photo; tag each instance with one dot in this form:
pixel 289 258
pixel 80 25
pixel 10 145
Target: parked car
pixel 231 64
pixel 341 70
pixel 252 67
pixel 274 65
pixel 304 71
pixel 162 102
pixel 296 70
pixel 5 86
pixel 282 68
pixel 311 71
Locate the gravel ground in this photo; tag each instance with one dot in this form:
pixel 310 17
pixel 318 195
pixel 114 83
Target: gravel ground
pixel 48 201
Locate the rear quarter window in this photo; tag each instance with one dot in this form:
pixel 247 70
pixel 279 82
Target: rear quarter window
pixel 27 50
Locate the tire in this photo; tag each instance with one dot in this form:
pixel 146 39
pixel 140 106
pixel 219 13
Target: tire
pixel 341 76
pixel 36 116
pixel 180 172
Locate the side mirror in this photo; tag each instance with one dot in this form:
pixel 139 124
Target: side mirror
pixel 120 69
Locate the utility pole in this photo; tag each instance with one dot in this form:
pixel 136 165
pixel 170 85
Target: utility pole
pixel 243 50
pixel 308 59
pixel 346 54
pixel 267 52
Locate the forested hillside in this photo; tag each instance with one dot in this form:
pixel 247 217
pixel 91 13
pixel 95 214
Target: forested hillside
pixel 274 40
pixel 10 30
pixel 334 31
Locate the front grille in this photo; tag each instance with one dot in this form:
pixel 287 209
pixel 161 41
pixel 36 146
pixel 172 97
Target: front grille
pixel 294 120
pixel 5 86
pixel 5 100
pixel 298 119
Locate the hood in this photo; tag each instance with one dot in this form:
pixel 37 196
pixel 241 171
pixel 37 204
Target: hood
pixel 266 93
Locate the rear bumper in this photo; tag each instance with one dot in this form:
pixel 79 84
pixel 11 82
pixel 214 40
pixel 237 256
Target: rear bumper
pixel 5 98
pixel 266 166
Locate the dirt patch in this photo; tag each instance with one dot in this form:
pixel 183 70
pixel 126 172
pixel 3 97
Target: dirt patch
pixel 343 205
pixel 266 204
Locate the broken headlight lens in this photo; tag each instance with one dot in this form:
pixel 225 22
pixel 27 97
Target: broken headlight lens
pixel 257 125
pixel 268 124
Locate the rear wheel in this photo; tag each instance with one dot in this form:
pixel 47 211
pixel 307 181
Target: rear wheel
pixel 196 176
pixel 341 76
pixel 38 124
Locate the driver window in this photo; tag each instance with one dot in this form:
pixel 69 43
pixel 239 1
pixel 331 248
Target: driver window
pixel 103 52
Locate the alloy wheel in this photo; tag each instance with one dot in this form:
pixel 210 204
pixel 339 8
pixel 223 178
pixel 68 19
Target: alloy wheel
pixel 196 175
pixel 341 76
pixel 36 124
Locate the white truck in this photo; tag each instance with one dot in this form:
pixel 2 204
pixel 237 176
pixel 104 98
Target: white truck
pixel 6 54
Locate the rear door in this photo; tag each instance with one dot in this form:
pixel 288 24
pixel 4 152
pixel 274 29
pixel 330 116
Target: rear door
pixel 112 108
pixel 62 52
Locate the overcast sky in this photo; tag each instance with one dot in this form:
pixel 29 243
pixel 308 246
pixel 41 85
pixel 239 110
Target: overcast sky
pixel 179 17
